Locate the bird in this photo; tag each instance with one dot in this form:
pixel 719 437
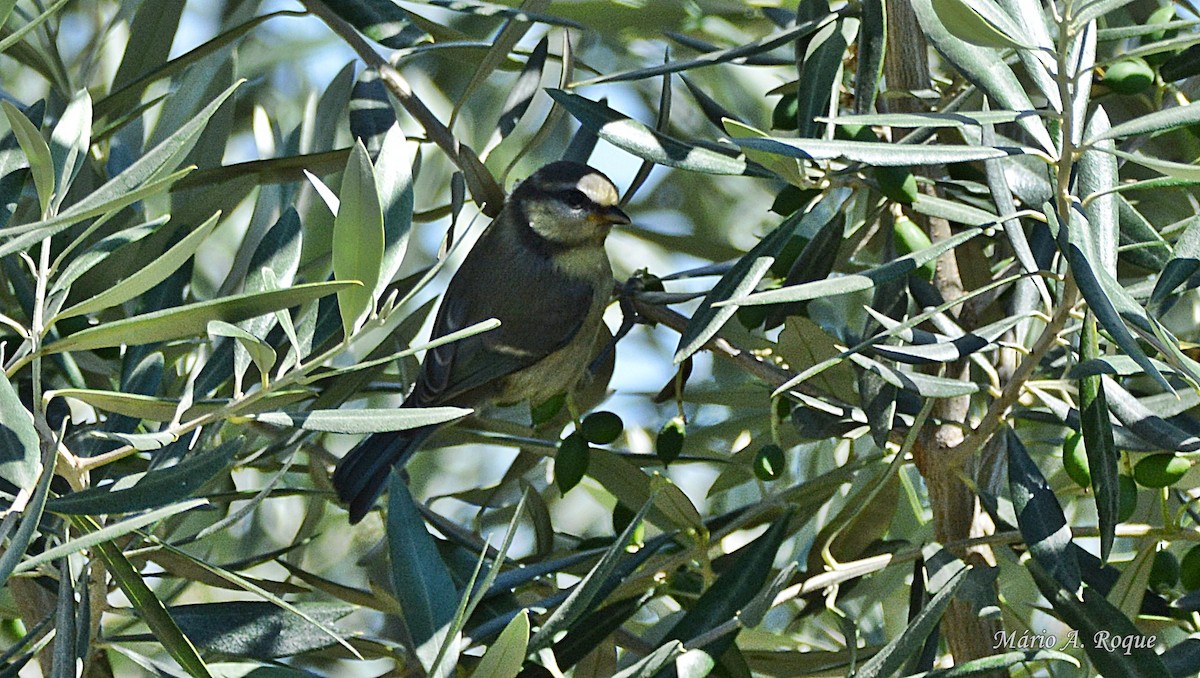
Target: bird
pixel 541 269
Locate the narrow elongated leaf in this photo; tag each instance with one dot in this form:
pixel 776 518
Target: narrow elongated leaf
pixel 1184 262
pixel 854 282
pixel 1146 423
pixel 580 600
pixel 1151 123
pixel 19 445
pixel 146 277
pixel 1097 172
pixel 357 239
pixel 20 33
pixel 1102 453
pixel 819 72
pixel 749 570
pixel 259 351
pixel 383 21
pixel 394 185
pixel 872 45
pixel 526 86
pixel 420 578
pixel 632 136
pixel 41 165
pixel 1039 516
pixel 257 629
pixel 506 656
pixel 1094 617
pixel 31 517
pixel 957 120
pixel 925 385
pixel 1106 297
pixel 753 47
pixel 741 279
pixel 979 23
pixel 158 487
pixel 149 607
pixel 364 421
pixel 985 69
pixel 70 141
pixel 872 153
pixel 190 320
pixel 893 655
pixel 152 169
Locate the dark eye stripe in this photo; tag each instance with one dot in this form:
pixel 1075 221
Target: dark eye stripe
pixel 573 198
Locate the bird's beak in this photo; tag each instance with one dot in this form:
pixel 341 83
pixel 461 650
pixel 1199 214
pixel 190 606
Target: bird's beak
pixel 613 216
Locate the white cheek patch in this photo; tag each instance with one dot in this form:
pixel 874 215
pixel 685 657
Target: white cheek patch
pixel 599 189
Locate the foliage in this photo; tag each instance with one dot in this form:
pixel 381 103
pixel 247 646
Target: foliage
pixel 218 254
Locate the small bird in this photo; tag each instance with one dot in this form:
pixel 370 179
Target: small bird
pixel 539 268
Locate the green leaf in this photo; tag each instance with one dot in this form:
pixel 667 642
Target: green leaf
pixel 19 34
pixel 156 488
pixel 648 144
pixel 19 444
pixel 147 175
pixel 740 280
pixel 93 535
pixel 984 68
pixel 753 47
pixel 70 141
pixel 854 282
pixel 1102 453
pixel 258 629
pixel 364 421
pixel 69 217
pixel 164 409
pixel 420 579
pixel 146 277
pixel 951 578
pixel 506 656
pixel 149 607
pixel 41 165
pixel 979 23
pixel 1178 170
pixel 872 153
pixel 1095 615
pixel 383 21
pixel 31 518
pixel 872 45
pixel 190 320
pixel 749 570
pixel 358 240
pixel 580 600
pixel 957 120
pixel 1097 175
pixel 1039 515
pixel 260 351
pixel 633 488
pixel 394 184
pixel 1151 123
pixel 819 72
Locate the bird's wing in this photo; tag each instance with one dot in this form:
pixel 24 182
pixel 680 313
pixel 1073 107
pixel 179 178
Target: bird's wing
pixel 539 313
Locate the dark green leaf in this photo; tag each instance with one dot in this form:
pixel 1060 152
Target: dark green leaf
pixel 19 444
pixel 158 487
pixel 257 629
pixel 1039 515
pixel 420 579
pixel 380 20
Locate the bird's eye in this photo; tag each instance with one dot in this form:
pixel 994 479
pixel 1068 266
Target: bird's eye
pixel 576 200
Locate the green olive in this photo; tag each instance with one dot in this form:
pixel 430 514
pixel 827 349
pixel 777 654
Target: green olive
pixel 669 443
pixel 1075 460
pixel 601 427
pixel 897 183
pixel 1189 569
pixel 1164 573
pixel 910 238
pixel 1129 76
pixel 571 462
pixel 1160 470
pixel 769 462
pixel 786 113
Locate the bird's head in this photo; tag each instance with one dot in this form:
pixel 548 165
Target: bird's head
pixel 569 203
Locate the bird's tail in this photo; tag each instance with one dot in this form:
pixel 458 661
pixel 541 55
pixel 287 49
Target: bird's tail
pixel 360 475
